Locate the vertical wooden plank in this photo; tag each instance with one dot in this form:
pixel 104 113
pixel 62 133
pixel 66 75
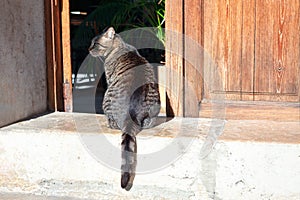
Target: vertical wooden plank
pixel 219 46
pixel 174 57
pixel 223 41
pixel 298 56
pixel 248 44
pixel 213 42
pixel 56 54
pixel 233 50
pixel 277 50
pixel 58 66
pixel 54 59
pixel 51 81
pixel 288 38
pixel 265 46
pixel 207 46
pixel 66 56
pixel 193 55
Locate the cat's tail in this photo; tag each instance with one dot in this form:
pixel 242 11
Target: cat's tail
pixel 129 161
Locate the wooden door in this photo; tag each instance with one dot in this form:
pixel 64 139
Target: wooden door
pixel 251 51
pixel 256 48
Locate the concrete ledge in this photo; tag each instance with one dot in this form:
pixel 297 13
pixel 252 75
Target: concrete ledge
pixel 18 196
pixel 52 156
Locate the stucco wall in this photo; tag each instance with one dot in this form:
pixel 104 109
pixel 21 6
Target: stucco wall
pixel 23 89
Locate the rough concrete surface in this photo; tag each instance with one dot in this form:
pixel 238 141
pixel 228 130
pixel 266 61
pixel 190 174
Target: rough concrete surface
pixel 23 80
pixel 67 155
pixel 15 196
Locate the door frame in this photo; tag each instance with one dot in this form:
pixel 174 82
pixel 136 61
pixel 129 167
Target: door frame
pixel 58 56
pixel 185 83
pixel 59 68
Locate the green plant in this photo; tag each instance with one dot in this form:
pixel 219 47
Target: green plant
pixel 122 15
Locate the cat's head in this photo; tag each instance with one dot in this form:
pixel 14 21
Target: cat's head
pixel 101 45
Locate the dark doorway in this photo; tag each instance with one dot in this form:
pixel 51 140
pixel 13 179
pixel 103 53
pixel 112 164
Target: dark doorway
pixel 79 10
pixel 88 83
pixel 88 19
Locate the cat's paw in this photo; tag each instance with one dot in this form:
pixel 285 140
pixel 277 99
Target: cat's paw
pixel 148 123
pixel 112 124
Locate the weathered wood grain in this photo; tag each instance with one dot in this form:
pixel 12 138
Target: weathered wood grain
pixel 174 57
pixel 251 52
pixel 248 50
pixel 66 56
pixel 277 51
pixel 59 70
pixel 54 55
pixel 193 57
pixel 255 45
pixel 51 82
pixel 58 67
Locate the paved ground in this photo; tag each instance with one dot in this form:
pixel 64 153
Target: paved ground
pixel 30 197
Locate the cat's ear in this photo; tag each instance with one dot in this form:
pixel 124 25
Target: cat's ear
pixel 110 33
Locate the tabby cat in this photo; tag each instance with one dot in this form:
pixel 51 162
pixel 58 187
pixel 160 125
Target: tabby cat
pixel 131 101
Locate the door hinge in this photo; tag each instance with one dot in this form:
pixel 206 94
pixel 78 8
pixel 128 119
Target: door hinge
pixel 67 95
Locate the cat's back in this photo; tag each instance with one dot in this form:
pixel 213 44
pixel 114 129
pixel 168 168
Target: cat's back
pixel 128 67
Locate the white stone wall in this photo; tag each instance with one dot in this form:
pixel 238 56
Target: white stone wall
pixel 23 82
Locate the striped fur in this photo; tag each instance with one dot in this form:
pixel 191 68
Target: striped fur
pixel 131 101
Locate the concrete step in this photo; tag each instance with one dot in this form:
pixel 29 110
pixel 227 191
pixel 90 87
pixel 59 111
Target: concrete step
pixel 19 196
pixel 75 156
